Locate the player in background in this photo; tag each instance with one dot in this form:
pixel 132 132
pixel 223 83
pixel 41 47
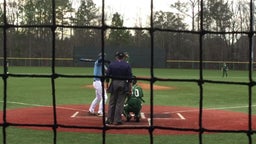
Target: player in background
pixel 134 101
pixel 224 70
pixel 97 84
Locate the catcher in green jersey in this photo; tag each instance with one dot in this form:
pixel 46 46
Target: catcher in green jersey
pixel 134 101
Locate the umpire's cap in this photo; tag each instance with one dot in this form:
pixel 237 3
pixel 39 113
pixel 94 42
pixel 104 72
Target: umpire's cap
pixel 120 55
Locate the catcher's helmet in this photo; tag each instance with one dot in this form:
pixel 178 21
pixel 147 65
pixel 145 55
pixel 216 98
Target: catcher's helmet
pixel 126 54
pixel 134 81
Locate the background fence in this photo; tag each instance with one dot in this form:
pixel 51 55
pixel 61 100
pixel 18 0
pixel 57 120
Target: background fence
pixel 137 61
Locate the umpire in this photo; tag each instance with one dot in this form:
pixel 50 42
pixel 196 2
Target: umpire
pixel 121 75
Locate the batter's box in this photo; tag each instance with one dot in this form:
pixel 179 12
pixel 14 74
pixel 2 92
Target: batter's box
pixel 83 115
pixel 167 115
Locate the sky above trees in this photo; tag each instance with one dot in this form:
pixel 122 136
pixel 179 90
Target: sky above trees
pixel 132 11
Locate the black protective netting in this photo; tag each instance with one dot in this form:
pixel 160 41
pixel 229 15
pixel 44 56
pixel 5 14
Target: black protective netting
pixel 152 30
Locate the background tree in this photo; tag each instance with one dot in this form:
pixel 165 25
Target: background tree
pixel 171 42
pixel 141 37
pixel 186 9
pixel 118 37
pixel 221 15
pixel 86 15
pixel 217 17
pixel 63 11
pixel 241 15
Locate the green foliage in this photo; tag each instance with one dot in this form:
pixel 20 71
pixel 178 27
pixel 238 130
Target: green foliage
pixel 87 13
pixel 218 15
pixel 116 36
pixel 168 20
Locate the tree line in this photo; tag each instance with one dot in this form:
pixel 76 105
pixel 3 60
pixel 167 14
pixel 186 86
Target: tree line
pixel 31 26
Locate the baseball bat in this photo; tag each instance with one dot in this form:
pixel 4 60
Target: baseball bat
pixel 86 60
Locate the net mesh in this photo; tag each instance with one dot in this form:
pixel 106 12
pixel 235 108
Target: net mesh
pixel 152 30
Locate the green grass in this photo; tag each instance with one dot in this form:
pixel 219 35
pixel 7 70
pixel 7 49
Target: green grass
pixel 38 91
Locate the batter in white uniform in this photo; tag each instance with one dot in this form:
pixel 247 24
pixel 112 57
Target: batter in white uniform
pixel 97 84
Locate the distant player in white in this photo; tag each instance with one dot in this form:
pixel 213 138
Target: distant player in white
pixel 98 88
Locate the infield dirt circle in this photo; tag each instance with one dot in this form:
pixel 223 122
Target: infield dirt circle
pixel 76 116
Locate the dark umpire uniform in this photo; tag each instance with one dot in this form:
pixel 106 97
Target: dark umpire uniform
pixel 121 74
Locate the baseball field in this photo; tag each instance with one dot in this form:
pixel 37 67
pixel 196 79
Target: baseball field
pixel 39 109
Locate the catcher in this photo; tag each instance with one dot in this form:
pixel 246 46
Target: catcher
pixel 134 101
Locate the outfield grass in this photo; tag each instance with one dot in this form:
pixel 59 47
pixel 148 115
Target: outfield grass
pixel 28 92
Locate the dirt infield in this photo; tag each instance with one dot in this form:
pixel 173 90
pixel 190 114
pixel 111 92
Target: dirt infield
pixel 165 116
pixel 144 86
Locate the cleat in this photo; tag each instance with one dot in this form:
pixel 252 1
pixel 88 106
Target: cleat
pixel 128 118
pixel 91 113
pixel 100 115
pixel 108 122
pixel 137 119
pixel 118 123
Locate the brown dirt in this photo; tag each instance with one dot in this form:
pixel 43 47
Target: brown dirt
pixel 144 86
pixel 164 116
